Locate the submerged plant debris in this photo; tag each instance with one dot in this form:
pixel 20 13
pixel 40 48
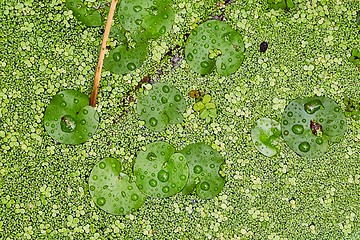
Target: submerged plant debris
pixel 44 185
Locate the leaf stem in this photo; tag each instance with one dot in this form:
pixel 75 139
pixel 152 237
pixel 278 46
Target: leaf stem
pixel 102 54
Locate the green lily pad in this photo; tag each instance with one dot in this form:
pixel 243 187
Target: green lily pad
pixel 264 135
pixel 204 165
pixel 112 191
pixel 310 123
pixel 89 17
pixel 163 105
pixel 154 18
pixel 122 59
pixel 214 43
pixel 159 171
pixel 69 119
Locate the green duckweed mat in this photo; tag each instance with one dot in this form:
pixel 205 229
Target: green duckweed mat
pixel 44 191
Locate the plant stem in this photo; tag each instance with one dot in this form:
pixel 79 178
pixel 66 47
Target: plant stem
pixel 102 54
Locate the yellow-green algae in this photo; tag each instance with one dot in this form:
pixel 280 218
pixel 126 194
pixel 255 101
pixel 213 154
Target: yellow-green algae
pixel 43 185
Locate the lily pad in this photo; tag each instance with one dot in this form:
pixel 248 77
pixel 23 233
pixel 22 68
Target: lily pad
pixel 69 119
pixel 112 191
pixel 153 18
pixel 264 135
pixel 214 43
pixel 89 17
pixel 163 105
pixel 122 59
pixel 204 165
pixel 310 123
pixel 159 171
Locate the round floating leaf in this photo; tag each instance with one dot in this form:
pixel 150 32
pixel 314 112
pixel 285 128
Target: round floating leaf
pixel 111 190
pixel 69 119
pixel 155 17
pixel 309 123
pixel 90 17
pixel 264 135
pixel 204 164
pixel 163 105
pixel 214 43
pixel 159 171
pixel 122 60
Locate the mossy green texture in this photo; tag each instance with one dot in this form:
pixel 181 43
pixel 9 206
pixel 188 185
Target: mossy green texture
pixel 69 119
pixel 44 190
pixel 204 166
pixel 163 105
pixel 308 124
pixel 113 191
pixel 159 171
pixel 214 45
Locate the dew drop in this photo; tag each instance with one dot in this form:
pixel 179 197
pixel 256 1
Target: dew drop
pixel 162 30
pixel 153 122
pixel 205 186
pixel 137 8
pixel 319 141
pixel 163 100
pixel 63 104
pixel 95 177
pixel 166 89
pixel 285 122
pixel 165 189
pixel 183 177
pixel 52 125
pixel 83 122
pixel 336 109
pixel 76 101
pixel 123 194
pixel 190 57
pixel 102 165
pixel 312 106
pixel 197 169
pixel 304 147
pixel 204 64
pixel 297 129
pixel 286 132
pixel 165 16
pixel 138 21
pixel 92 188
pixel 131 66
pixel 212 165
pixel 130 188
pixel 61 95
pixel 67 124
pixel 134 197
pixel 85 111
pixel 206 45
pixel 290 114
pixel 117 56
pixel 153 183
pixel 177 98
pixel 163 176
pixel 194 33
pixel 113 165
pixel 203 37
pixel 101 201
pixel 151 156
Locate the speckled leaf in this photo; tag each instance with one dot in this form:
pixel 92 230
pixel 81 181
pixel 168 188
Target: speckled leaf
pixel 159 171
pixel 309 123
pixel 214 36
pixel 89 17
pixel 264 135
pixel 154 18
pixel 163 105
pixel 122 59
pixel 69 119
pixel 112 191
pixel 204 165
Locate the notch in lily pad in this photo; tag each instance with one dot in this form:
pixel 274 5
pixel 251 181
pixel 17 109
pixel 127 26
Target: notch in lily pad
pixel 148 17
pixel 69 119
pixel 89 17
pixel 309 124
pixel 113 191
pixel 162 106
pixel 214 45
pixel 159 171
pixel 265 135
pixel 204 165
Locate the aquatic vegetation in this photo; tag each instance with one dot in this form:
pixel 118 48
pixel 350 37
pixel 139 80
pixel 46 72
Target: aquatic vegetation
pixel 265 135
pixel 309 124
pixel 214 45
pixel 69 119
pixel 89 17
pixel 204 166
pixel 162 106
pixel 280 4
pixel 159 171
pixel 355 57
pixel 112 190
pixel 206 108
pixel 352 108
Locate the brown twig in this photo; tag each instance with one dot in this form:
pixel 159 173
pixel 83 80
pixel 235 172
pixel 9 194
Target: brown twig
pixel 102 54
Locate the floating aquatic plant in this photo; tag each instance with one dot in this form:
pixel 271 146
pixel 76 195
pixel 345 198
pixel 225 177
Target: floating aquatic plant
pixel 89 17
pixel 265 135
pixel 204 165
pixel 352 108
pixel 281 4
pixel 206 108
pixel 69 119
pixel 159 171
pixel 214 44
pixel 113 191
pixel 308 125
pixel 355 57
pixel 162 106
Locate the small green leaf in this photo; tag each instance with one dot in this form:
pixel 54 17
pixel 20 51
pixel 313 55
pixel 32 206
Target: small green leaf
pixel 210 106
pixel 204 113
pixel 198 106
pixel 206 99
